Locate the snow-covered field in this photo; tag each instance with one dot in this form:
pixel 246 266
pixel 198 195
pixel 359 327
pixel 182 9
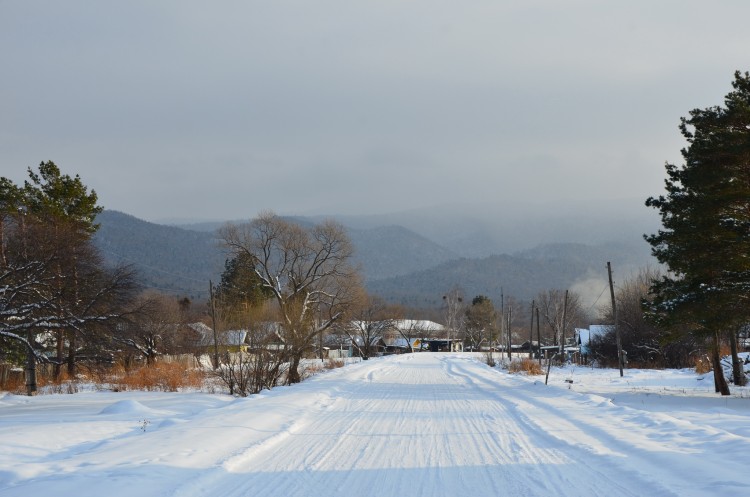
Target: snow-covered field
pixel 411 425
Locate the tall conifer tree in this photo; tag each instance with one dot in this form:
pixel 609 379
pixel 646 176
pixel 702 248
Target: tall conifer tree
pixel 705 214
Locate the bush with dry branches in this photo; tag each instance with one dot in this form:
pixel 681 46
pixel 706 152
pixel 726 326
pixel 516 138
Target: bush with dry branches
pixel 525 366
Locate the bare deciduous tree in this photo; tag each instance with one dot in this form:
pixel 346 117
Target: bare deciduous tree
pixel 481 322
pixel 410 330
pixel 370 321
pixel 560 314
pixel 454 305
pixel 307 270
pixel 153 327
pixel 249 372
pixel 644 341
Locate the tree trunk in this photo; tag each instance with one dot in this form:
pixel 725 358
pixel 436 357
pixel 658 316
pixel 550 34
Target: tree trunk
pixel 72 332
pixel 293 375
pixel 719 381
pixel 60 348
pixel 151 351
pixel 30 367
pixel 738 375
pixel 71 354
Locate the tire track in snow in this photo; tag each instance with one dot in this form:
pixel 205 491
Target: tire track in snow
pixel 433 425
pixel 384 428
pixel 642 445
pixel 422 418
pixel 568 472
pixel 208 480
pixel 423 431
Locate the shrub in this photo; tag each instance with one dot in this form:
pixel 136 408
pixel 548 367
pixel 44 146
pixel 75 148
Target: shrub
pixel 246 374
pixel 13 381
pixel 526 366
pixel 157 377
pixel 489 359
pixel 703 365
pixel 310 369
pixel 333 363
pixel 161 377
pixel 46 382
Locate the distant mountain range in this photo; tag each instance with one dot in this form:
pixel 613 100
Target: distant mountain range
pixel 399 261
pixel 522 275
pixel 167 258
pixel 483 230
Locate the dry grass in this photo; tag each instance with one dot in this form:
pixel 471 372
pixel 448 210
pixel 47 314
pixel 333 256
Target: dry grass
pixel 161 377
pixel 306 370
pixel 69 387
pixel 702 365
pixel 333 363
pixel 46 382
pixel 526 366
pixel 15 383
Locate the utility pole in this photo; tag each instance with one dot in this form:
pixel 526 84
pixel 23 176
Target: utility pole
pixel 501 338
pixel 614 315
pixel 562 331
pixel 531 333
pixel 510 320
pixel 538 336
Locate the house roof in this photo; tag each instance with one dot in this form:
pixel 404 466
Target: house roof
pixel 403 344
pixel 373 341
pixel 418 324
pixel 594 330
pixel 225 338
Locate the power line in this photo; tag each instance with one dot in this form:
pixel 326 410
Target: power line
pixel 597 299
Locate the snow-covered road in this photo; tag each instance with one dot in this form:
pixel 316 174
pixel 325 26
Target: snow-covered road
pixel 411 425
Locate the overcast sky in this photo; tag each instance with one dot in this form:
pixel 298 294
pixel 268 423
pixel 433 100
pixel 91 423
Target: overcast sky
pixel 217 110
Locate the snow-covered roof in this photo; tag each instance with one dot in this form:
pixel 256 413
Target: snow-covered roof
pixel 225 338
pixel 585 335
pixel 418 324
pixel 373 341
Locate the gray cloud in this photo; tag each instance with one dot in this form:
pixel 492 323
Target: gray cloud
pixel 191 109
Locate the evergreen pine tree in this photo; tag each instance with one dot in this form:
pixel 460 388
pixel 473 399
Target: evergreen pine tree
pixel 705 214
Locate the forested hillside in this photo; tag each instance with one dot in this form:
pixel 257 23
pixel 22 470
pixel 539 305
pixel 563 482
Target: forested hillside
pixel 167 258
pixel 522 275
pixel 390 251
pixel 397 263
pixel 179 260
pixel 381 251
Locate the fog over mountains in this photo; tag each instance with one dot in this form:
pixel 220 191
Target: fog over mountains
pixel 415 257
